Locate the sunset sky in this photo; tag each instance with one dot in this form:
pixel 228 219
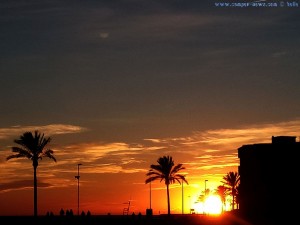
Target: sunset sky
pixel 117 84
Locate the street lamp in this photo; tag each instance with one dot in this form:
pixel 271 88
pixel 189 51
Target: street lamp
pixel 182 197
pixel 150 195
pixel 77 177
pixel 204 210
pixel 149 211
pixel 190 204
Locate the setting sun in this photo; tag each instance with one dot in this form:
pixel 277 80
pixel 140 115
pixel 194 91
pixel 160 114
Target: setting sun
pixel 212 205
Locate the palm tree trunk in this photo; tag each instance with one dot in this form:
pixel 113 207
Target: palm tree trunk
pixel 223 206
pixel 35 190
pixel 233 201
pixel 168 197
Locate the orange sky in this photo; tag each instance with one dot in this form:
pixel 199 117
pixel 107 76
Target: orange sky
pixel 113 173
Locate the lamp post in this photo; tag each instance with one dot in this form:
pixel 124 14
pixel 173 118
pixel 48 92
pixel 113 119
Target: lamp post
pixel 77 177
pixel 150 195
pixel 190 204
pixel 182 212
pixel 149 211
pixel 204 210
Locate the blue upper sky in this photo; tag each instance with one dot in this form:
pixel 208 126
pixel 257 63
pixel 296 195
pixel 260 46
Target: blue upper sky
pixel 152 65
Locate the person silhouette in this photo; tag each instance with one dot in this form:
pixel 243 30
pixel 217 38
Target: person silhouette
pixel 61 212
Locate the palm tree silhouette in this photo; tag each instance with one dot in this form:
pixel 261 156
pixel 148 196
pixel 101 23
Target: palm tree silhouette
pixel 32 146
pixel 222 192
pixel 232 180
pixel 165 170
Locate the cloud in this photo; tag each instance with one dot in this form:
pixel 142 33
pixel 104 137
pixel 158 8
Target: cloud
pixel 211 153
pixel 50 129
pixel 256 133
pixel 227 138
pixel 104 35
pixel 110 168
pixel 279 54
pixel 21 185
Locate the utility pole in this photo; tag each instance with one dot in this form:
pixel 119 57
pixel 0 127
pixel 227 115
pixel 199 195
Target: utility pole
pixel 182 198
pixel 150 195
pixel 77 177
pixel 204 210
pixel 149 211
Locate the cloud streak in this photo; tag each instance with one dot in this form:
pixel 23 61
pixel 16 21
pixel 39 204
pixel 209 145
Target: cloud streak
pixel 210 151
pixel 51 129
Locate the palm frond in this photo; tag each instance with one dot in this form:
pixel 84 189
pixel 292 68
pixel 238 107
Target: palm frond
pixel 21 153
pixel 157 168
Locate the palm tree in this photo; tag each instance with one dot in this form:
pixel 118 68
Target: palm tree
pixel 165 170
pixel 32 146
pixel 203 196
pixel 222 192
pixel 232 180
pixel 238 196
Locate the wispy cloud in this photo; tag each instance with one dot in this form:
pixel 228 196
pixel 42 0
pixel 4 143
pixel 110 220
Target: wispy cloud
pixel 254 133
pixel 50 129
pixel 210 152
pixel 21 185
pixel 279 54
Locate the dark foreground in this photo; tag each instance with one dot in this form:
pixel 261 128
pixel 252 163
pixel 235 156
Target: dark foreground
pixel 194 219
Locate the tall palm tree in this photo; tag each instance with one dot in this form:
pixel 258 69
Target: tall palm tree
pixel 167 172
pixel 33 147
pixel 232 180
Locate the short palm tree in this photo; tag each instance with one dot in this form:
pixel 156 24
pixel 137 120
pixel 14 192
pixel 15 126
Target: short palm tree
pixel 32 146
pixel 232 180
pixel 222 192
pixel 238 196
pixel 167 172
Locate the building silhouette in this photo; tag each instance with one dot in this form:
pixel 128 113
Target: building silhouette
pixel 268 177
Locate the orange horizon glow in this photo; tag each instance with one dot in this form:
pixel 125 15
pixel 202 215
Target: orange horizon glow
pixel 113 173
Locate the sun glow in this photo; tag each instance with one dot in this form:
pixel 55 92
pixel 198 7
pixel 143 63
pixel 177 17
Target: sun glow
pixel 212 205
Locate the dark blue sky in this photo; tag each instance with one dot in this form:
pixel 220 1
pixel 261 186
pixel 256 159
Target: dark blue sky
pixel 177 63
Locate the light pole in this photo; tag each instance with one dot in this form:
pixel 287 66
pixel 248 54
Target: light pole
pixel 190 204
pixel 182 212
pixel 77 177
pixel 149 211
pixel 150 195
pixel 204 210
